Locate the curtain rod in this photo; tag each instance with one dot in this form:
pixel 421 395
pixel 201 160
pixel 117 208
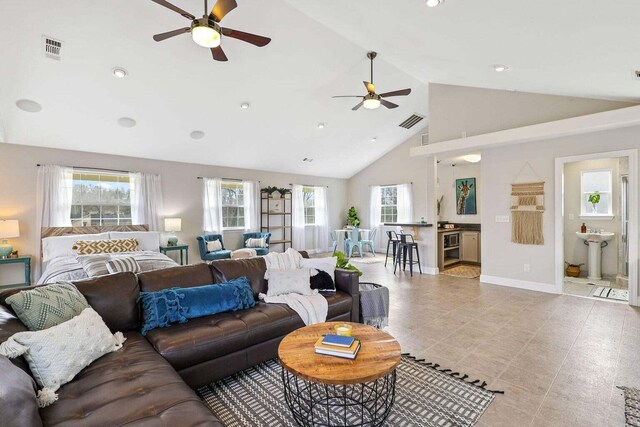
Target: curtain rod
pixel 225 179
pixel 312 185
pixel 94 169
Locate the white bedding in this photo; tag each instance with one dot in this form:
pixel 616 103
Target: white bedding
pixel 66 268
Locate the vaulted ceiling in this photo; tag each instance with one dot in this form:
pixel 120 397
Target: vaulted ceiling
pixel 573 47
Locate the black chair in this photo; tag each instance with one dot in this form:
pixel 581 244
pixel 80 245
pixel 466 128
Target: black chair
pixel 405 248
pixel 393 241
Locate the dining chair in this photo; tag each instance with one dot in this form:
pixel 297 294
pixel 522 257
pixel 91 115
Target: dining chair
pixel 370 241
pixel 354 242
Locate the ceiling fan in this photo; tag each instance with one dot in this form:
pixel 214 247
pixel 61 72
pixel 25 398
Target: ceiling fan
pixel 372 100
pixel 207 32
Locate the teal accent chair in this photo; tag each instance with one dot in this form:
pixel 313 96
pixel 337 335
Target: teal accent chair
pixel 354 242
pixel 257 235
pixel 212 256
pixel 334 241
pixel 370 241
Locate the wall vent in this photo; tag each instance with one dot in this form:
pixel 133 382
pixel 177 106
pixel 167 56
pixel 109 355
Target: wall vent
pixel 411 121
pixel 424 138
pixel 52 48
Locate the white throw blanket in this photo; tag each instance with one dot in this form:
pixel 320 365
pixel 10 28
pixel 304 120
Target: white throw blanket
pixel 311 308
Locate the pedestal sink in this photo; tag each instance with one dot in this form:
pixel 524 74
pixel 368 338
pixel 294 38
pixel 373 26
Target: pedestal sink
pixel 595 242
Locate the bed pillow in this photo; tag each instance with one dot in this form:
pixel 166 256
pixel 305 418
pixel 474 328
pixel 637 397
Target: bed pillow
pixel 90 247
pixel 325 264
pixel 61 246
pixel 147 240
pixel 56 355
pixel 47 306
pixel 255 243
pixel 214 246
pixel 292 281
pixel 177 305
pixel 123 264
pixel 94 265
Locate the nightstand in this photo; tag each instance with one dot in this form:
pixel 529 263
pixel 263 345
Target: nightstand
pixel 26 260
pixel 184 252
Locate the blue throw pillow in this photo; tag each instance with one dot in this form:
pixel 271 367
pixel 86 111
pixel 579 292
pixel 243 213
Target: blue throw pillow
pixel 177 305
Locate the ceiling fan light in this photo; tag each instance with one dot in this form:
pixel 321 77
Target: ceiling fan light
pixel 371 104
pixel 205 36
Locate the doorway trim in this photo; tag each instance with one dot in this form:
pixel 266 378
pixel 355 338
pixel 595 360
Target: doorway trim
pixel 632 154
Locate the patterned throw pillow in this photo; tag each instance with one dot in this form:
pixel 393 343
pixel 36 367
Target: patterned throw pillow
pixel 58 354
pixel 295 281
pixel 94 265
pixel 123 264
pixel 89 247
pixel 256 243
pixel 214 246
pixel 47 306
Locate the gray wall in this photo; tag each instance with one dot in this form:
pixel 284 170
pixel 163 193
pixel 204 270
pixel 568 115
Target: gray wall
pixel 181 192
pixel 447 175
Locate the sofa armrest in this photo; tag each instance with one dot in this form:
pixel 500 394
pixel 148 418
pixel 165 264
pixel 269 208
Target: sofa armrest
pixel 348 281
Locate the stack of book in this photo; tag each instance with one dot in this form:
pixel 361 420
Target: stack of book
pixel 338 345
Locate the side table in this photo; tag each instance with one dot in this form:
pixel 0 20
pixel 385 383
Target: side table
pixel 184 252
pixel 26 260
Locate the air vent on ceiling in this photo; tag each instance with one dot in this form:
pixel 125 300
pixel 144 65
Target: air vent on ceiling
pixel 52 47
pixel 424 138
pixel 411 121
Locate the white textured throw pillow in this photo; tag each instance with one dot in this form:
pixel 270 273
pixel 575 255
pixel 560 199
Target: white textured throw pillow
pixel 325 264
pixel 57 354
pixel 294 281
pixel 214 246
pixel 256 243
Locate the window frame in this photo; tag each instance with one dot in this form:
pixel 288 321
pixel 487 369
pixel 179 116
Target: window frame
pixel 590 215
pixel 226 185
pixel 306 205
pixel 384 217
pixel 78 175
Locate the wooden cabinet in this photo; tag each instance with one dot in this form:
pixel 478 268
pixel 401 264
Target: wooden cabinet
pixel 470 246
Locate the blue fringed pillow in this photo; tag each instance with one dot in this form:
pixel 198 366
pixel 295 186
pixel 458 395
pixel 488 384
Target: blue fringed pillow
pixel 177 305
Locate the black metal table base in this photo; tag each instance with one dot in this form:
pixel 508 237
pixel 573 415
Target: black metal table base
pixel 325 405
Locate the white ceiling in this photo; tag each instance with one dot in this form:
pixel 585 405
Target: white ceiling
pixel 572 47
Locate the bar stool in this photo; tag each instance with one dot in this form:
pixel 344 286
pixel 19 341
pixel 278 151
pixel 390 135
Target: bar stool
pixel 406 248
pixel 393 241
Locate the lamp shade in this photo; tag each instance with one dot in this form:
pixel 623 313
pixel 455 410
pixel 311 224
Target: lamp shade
pixel 172 224
pixel 9 228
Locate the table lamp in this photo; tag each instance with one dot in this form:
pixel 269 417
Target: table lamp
pixel 8 228
pixel 172 225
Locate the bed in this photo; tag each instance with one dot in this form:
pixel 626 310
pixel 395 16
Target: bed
pixel 59 260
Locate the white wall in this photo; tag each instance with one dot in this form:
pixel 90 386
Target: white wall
pixel 575 251
pixel 447 175
pixel 181 191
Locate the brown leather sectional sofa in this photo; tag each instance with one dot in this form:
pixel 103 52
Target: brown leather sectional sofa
pixel 149 381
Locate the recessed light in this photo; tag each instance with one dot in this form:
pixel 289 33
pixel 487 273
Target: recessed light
pixel 321 125
pixel 472 158
pixel 126 122
pixel 374 139
pixel 197 134
pixel 434 3
pixel 500 68
pixel 244 105
pixel 119 73
pixel 28 105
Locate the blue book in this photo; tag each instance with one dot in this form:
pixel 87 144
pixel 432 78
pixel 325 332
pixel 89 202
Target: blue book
pixel 338 340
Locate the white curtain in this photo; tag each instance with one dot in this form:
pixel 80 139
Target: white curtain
pixel 321 229
pixel 375 211
pixel 251 205
pixel 405 203
pixel 212 205
pixel 146 199
pixel 297 218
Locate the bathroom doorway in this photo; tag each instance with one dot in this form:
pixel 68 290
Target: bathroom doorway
pixel 597 210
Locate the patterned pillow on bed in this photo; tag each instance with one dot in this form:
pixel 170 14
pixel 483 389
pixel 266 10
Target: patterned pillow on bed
pixel 89 247
pixel 94 265
pixel 123 264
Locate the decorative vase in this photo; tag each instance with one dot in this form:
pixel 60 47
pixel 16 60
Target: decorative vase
pixel 595 208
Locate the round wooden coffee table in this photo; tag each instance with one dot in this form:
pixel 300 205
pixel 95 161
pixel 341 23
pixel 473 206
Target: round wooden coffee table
pixel 330 391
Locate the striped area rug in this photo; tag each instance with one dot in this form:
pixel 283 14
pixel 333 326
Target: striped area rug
pixel 611 293
pixel 426 396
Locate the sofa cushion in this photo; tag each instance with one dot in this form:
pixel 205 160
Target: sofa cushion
pixel 339 303
pixel 252 268
pixel 18 406
pixel 183 277
pixel 134 386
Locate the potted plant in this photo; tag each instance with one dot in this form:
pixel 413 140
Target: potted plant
pixel 440 203
pixel 284 191
pixel 352 217
pixel 270 190
pixel 594 199
pixel 343 262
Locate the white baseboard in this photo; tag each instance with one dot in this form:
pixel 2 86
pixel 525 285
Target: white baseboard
pixel 520 284
pixel 433 271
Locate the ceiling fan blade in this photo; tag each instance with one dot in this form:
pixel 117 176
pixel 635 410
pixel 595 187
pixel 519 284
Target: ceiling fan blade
pixel 370 87
pixel 347 96
pixel 388 104
pixel 254 39
pixel 218 54
pixel 221 8
pixel 175 9
pixel 358 106
pixel 402 92
pixel 164 36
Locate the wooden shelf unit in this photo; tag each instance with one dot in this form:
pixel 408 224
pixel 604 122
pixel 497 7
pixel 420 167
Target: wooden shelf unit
pixel 278 223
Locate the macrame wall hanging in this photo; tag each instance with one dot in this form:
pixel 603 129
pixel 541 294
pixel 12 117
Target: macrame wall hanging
pixel 527 208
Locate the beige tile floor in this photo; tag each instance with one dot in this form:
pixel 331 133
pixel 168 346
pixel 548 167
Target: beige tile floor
pixel 557 357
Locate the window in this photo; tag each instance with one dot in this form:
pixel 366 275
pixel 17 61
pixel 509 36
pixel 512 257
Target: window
pixel 389 204
pixel 596 193
pixel 309 198
pixel 232 205
pixel 100 198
